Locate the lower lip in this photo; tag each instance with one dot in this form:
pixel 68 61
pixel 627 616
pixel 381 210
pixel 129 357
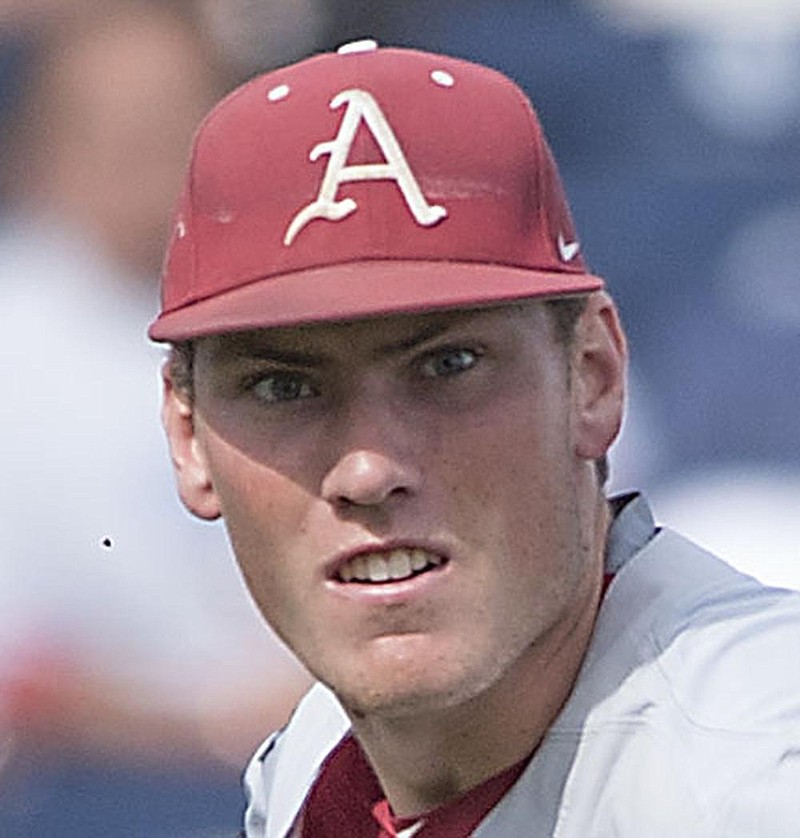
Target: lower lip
pixel 391 591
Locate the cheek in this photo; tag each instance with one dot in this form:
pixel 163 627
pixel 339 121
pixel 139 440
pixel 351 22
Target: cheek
pixel 512 492
pixel 513 464
pixel 264 513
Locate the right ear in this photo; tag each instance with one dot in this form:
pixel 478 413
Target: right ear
pixel 195 486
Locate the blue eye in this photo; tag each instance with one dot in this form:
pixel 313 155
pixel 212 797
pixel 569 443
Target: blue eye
pixel 449 361
pixel 283 387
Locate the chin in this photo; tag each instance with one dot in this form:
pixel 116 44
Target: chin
pixel 412 697
pixel 395 706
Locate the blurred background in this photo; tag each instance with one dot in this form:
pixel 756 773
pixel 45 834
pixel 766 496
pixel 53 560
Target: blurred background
pixel 135 677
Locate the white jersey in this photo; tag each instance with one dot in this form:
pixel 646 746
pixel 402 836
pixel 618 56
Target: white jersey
pixel 684 720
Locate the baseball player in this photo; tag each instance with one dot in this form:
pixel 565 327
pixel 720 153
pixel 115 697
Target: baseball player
pixel 393 376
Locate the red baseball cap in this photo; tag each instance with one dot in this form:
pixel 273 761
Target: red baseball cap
pixel 366 182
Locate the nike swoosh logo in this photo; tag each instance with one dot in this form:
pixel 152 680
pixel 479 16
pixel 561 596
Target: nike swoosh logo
pixel 567 250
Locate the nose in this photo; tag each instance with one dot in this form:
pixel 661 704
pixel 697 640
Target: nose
pixel 366 477
pixel 376 448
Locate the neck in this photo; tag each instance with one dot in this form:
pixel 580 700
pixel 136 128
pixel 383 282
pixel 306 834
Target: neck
pixel 426 760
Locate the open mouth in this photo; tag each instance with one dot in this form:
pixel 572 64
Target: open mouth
pixel 392 566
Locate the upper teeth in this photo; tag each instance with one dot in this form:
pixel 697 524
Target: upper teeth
pixel 381 567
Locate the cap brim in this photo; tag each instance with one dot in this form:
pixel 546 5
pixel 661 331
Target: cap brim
pixel 364 289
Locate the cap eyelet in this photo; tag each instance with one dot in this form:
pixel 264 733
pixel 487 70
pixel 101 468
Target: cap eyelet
pixel 442 78
pixel 278 93
pixel 364 45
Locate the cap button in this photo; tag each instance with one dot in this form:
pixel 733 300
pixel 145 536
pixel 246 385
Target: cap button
pixel 364 45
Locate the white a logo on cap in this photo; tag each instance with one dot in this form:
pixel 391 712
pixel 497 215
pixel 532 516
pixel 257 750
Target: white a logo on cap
pixel 361 105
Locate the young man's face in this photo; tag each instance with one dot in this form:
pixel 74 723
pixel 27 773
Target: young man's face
pixel 407 497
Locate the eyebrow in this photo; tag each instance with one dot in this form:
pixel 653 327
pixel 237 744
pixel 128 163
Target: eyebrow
pixel 256 350
pixel 289 357
pixel 420 336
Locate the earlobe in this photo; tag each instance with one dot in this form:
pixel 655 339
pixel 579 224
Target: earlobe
pixel 195 486
pixel 599 365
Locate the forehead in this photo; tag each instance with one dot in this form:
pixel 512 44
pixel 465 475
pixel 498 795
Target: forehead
pixel 378 335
